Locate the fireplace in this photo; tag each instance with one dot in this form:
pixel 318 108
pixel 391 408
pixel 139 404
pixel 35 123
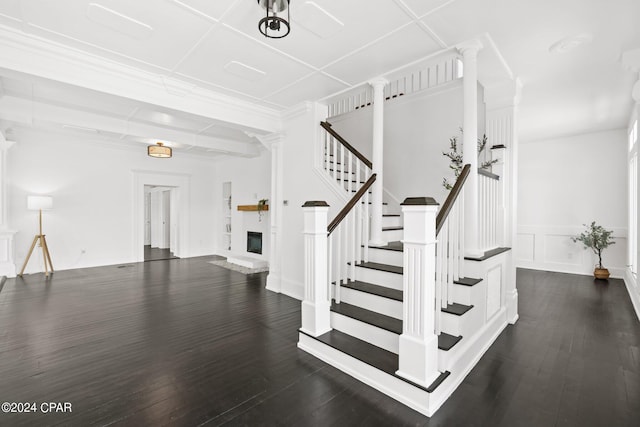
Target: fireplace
pixel 254 242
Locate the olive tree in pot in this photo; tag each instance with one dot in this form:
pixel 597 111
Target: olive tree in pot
pixel 596 238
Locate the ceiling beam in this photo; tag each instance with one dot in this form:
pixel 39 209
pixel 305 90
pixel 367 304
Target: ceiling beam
pixel 40 114
pixel 30 54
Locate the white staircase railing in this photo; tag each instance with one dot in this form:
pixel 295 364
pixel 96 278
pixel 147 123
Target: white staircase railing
pixel 449 246
pixel 403 82
pixel 348 233
pixel 346 165
pixel 348 237
pixel 489 215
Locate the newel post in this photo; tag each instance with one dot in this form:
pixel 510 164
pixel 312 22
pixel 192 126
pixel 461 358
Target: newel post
pixel 418 355
pixel 316 303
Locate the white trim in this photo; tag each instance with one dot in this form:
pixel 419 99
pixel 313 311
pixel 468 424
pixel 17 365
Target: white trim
pixel 469 355
pixel 182 184
pixel 393 387
pixel 31 54
pixel 633 287
pixel 292 288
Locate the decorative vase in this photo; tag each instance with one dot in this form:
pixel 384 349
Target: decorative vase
pixel 601 273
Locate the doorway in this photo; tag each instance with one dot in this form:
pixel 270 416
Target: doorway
pixel 180 186
pixel 159 227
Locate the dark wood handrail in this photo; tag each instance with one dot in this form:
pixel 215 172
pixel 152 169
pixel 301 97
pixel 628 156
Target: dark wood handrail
pixel 354 200
pixel 327 126
pixel 488 174
pixel 451 199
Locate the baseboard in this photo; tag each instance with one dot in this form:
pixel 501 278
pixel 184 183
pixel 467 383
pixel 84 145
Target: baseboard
pixel 469 357
pixel 292 288
pixel 633 287
pixel 393 387
pixel 616 272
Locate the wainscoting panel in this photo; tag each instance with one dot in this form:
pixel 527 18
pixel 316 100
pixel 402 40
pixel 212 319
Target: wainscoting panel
pixel 551 248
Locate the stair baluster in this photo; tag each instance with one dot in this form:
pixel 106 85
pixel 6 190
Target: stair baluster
pixel 449 246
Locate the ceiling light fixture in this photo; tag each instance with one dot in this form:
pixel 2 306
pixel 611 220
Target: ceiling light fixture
pixel 272 25
pixel 159 151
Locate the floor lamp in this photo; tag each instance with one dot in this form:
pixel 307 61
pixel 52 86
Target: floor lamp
pixel 40 203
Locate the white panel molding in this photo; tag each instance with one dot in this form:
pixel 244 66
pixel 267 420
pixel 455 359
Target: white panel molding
pixel 545 252
pixel 34 55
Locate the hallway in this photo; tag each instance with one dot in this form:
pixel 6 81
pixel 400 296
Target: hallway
pixel 184 342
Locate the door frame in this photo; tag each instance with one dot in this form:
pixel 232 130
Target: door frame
pixel 181 184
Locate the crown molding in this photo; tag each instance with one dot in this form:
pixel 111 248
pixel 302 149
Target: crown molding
pixel 36 56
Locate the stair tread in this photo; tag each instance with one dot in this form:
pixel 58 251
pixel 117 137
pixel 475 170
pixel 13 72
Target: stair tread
pixel 381 267
pixel 457 309
pixel 385 215
pixel 371 317
pixel 395 227
pixel 488 254
pixel 377 357
pixel 370 288
pixel 391 246
pixel 467 281
pixel 446 341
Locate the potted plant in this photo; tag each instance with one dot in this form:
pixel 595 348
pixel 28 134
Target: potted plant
pixel 596 238
pixel 455 158
pixel 261 206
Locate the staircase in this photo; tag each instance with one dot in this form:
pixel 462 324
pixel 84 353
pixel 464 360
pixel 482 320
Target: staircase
pixel 366 299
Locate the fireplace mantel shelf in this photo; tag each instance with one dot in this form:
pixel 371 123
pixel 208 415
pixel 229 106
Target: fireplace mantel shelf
pixel 252 208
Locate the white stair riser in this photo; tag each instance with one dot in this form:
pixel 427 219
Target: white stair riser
pixel 392 235
pixel 392 221
pixel 366 332
pixel 446 358
pixel 384 256
pixel 460 325
pixel 402 391
pixel 377 277
pixel 468 295
pixel 382 305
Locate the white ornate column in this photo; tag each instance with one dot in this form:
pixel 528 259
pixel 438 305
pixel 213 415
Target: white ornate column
pixel 469 51
pixel 418 352
pixel 377 161
pixel 501 102
pixel 631 62
pixel 275 142
pixel 7 247
pixel 316 303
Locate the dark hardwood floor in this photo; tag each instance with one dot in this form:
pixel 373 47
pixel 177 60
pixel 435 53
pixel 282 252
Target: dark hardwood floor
pixel 157 254
pixel 184 342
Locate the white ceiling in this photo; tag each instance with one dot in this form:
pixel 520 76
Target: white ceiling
pixel 333 45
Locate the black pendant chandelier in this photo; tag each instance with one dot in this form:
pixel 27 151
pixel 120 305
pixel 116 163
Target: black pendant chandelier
pixel 274 25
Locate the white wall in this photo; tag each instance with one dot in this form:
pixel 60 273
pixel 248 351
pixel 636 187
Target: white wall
pixel 250 182
pixel 562 184
pixel 301 182
pixel 91 181
pixel 417 129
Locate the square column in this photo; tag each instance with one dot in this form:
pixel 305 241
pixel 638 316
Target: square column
pixel 469 52
pixel 377 161
pixel 418 352
pixel 316 304
pixel 501 123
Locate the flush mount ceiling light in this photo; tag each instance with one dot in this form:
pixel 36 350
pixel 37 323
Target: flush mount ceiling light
pixel 273 25
pixel 159 151
pixel 569 43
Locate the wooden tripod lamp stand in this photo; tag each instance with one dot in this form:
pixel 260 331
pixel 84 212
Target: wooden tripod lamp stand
pixel 40 203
